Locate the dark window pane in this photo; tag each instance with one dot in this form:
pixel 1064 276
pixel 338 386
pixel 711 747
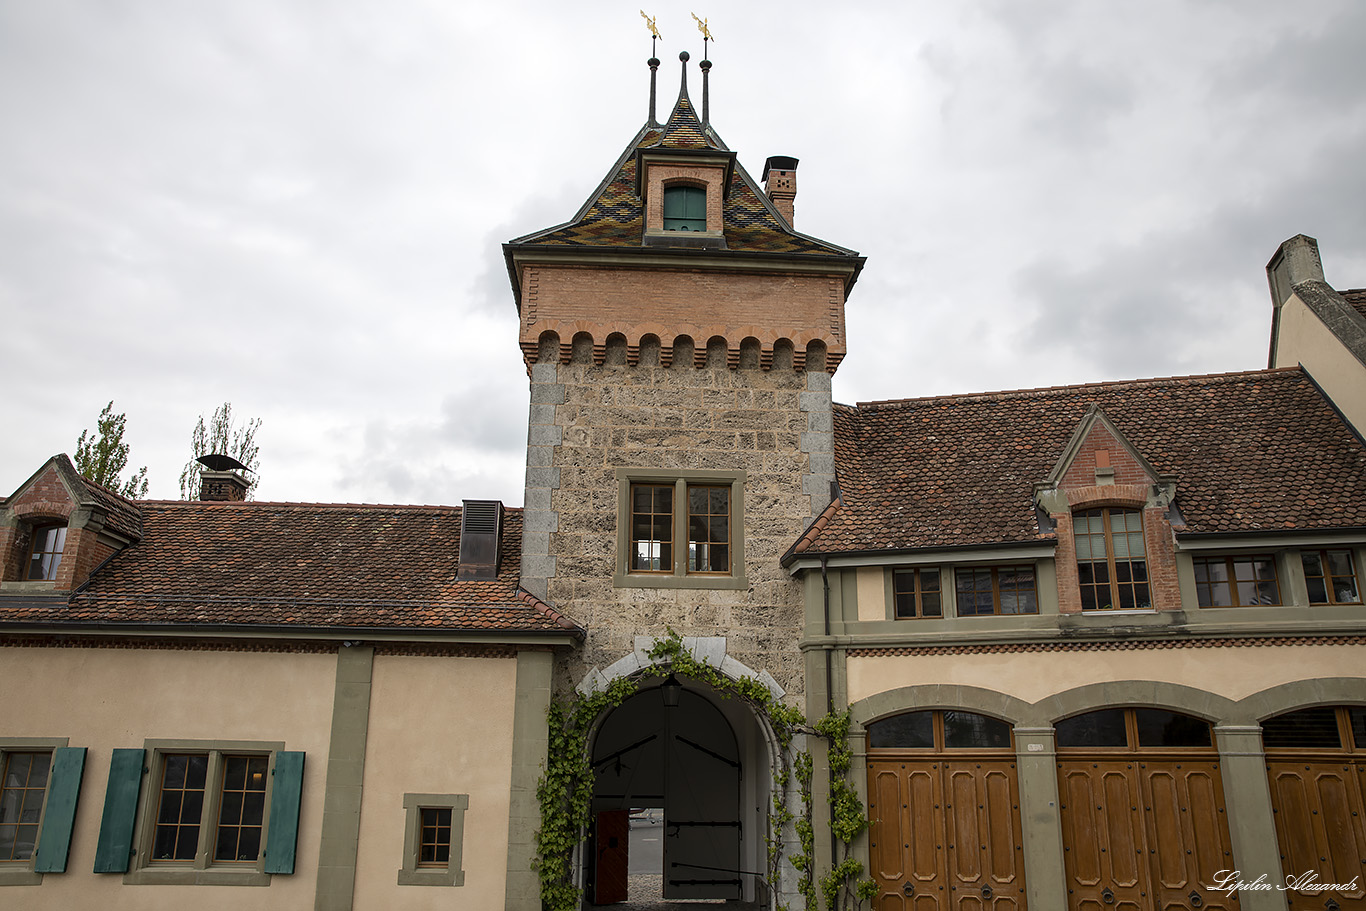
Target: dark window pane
pixel 231 808
pixel 1358 717
pixel 170 807
pixel 234 772
pixel 249 847
pixel 905 604
pixel 1126 597
pixel 196 771
pixel 1318 591
pixel 163 846
pixel 929 605
pixel 226 849
pixel 1161 728
pixel 1315 728
pixel 967 729
pixel 192 807
pixel 909 730
pixel 697 500
pixel 1094 729
pixel 187 843
pixel 175 771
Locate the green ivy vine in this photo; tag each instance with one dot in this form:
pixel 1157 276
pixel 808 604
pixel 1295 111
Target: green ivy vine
pixel 844 886
pixel 565 791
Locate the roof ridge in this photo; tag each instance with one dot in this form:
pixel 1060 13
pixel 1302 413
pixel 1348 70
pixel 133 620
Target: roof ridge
pixel 296 504
pixel 1230 376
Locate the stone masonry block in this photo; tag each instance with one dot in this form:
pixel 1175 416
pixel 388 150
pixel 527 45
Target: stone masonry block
pixel 709 650
pixel 820 422
pixel 540 456
pixel 542 414
pixel 815 401
pixel 537 566
pixel 535 542
pixel 624 666
pixel 544 373
pixel 818 382
pixel 543 477
pixel 547 394
pixel 544 435
pixel 537 498
pixel 593 682
pixel 539 521
pixel 818 442
pixel 822 463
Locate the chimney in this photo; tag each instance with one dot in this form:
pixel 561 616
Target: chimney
pixel 1296 260
pixel 780 183
pixel 481 525
pixel 223 486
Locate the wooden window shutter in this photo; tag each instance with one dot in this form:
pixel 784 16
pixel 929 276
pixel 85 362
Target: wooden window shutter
pixel 59 815
pixel 283 835
pixel 120 810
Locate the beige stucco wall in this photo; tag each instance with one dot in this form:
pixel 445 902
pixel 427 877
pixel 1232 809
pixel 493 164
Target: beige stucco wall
pixel 438 725
pixel 1234 672
pixel 1304 339
pixel 106 698
pixel 872 593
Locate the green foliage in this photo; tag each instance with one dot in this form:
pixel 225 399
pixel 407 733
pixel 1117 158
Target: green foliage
pixel 565 790
pixel 221 438
pixel 101 456
pixel 843 886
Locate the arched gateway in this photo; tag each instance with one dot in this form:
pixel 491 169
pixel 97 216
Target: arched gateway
pixel 703 760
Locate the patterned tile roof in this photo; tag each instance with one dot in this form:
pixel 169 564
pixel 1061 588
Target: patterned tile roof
pixel 614 216
pixel 302 565
pixel 1251 452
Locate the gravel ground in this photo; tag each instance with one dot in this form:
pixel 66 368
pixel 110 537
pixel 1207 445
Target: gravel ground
pixel 643 894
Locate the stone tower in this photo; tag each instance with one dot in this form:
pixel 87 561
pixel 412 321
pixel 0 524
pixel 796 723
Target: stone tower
pixel 680 337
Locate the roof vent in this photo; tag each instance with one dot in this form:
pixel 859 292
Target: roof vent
pixel 481 524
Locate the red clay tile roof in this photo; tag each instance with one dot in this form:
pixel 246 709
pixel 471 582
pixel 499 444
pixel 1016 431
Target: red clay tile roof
pixel 1251 452
pixel 1357 298
pixel 306 566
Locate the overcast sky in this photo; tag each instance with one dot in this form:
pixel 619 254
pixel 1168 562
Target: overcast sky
pixel 297 206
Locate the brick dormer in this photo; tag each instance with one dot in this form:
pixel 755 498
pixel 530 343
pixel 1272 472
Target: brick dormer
pixel 58 527
pixel 1102 480
pixel 679 249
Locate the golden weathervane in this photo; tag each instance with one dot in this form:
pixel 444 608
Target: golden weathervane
pixel 702 27
pixel 650 21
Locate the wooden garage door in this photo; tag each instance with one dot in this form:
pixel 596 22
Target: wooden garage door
pixel 1142 808
pixel 1316 763
pixel 943 797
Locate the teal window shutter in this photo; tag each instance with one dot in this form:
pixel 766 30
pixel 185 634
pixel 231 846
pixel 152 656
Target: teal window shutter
pixel 685 209
pixel 120 809
pixel 283 834
pixel 59 815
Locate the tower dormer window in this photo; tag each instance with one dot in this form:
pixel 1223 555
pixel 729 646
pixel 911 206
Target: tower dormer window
pixel 46 556
pixel 685 208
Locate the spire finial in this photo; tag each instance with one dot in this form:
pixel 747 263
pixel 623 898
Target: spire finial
pixel 705 66
pixel 652 63
pixel 684 56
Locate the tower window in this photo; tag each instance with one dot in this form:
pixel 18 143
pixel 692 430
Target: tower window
pixel 685 209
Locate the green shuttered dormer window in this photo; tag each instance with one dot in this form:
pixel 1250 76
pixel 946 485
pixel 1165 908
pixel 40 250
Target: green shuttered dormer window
pixel 685 209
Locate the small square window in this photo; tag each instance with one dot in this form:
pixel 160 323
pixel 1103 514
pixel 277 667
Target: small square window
pixel 916 593
pixel 1236 581
pixel 433 840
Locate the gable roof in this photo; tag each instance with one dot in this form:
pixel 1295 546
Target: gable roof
pixel 121 514
pixel 1262 451
pixel 302 566
pixel 1357 299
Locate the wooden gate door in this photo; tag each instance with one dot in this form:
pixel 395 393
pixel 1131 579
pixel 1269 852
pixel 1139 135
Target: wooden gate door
pixel 1142 807
pixel 612 843
pixel 1316 763
pixel 943 798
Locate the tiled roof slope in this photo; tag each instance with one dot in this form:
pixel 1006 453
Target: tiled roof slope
pixel 614 216
pixel 1357 298
pixel 123 514
pixel 302 565
pixel 1259 451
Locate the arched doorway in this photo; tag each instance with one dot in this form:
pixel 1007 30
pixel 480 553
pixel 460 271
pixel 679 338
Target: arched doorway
pixel 1316 763
pixel 943 797
pixel 1142 807
pixel 702 761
